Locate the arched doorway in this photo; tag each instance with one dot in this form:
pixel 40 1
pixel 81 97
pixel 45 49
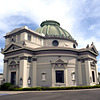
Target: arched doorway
pixel 13 73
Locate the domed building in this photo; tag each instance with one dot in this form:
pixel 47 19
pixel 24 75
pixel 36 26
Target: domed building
pixel 48 57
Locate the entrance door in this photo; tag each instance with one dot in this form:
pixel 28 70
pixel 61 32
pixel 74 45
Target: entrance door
pixel 93 76
pixel 59 76
pixel 13 78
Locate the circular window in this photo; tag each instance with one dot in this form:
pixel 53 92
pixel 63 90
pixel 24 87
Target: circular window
pixel 55 43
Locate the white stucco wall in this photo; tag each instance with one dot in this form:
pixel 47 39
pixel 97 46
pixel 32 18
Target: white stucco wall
pixel 62 43
pixel 44 65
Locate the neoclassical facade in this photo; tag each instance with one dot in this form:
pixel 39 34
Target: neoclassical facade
pixel 47 57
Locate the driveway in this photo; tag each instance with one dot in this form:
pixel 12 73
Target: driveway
pixel 92 94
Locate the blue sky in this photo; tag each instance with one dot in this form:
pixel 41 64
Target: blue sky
pixel 81 18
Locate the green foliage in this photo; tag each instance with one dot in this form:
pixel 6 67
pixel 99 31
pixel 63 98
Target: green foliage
pixel 12 87
pixel 5 86
pixel 16 88
pixel 32 89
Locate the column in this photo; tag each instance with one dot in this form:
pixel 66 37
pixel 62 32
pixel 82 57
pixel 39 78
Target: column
pixel 5 71
pixel 53 75
pixel 88 72
pixel 66 76
pixel 17 75
pixel 96 72
pixel 8 75
pixel 79 72
pixel 23 71
pixel 34 71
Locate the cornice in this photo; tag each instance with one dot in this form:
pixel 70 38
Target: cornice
pixel 54 37
pixel 23 58
pixel 24 30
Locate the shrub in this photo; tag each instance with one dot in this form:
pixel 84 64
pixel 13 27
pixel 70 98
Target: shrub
pixel 31 89
pixel 5 86
pixel 16 88
pixel 13 87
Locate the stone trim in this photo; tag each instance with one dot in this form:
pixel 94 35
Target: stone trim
pixel 23 58
pixel 5 61
pixel 72 40
pixel 34 59
pixel 85 59
pixel 24 30
pixel 13 67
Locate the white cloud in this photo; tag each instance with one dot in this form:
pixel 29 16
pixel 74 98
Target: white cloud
pixel 95 26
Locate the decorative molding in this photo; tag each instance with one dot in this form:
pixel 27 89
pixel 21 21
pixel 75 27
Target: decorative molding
pixel 23 43
pixel 93 64
pixel 5 61
pixel 23 58
pixel 59 63
pixel 83 59
pixel 13 67
pixel 34 59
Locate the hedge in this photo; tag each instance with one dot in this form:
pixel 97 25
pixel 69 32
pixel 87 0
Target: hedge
pixel 10 87
pixel 54 88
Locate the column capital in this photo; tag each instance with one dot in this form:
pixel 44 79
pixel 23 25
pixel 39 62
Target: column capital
pixel 5 60
pixel 87 59
pixel 23 58
pixel 34 59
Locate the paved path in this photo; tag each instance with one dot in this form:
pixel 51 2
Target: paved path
pixel 92 94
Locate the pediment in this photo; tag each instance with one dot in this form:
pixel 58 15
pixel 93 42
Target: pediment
pixel 59 61
pixel 11 47
pixel 93 49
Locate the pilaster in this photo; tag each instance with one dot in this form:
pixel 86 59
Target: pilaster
pixel 17 76
pixel 88 72
pixel 34 71
pixel 97 78
pixel 66 76
pixel 23 70
pixel 79 72
pixel 53 76
pixel 5 71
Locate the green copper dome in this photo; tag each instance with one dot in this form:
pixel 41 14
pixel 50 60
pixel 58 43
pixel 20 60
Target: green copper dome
pixel 52 28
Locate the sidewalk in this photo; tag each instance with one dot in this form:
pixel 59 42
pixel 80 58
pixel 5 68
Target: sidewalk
pixel 12 92
pixel 18 92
